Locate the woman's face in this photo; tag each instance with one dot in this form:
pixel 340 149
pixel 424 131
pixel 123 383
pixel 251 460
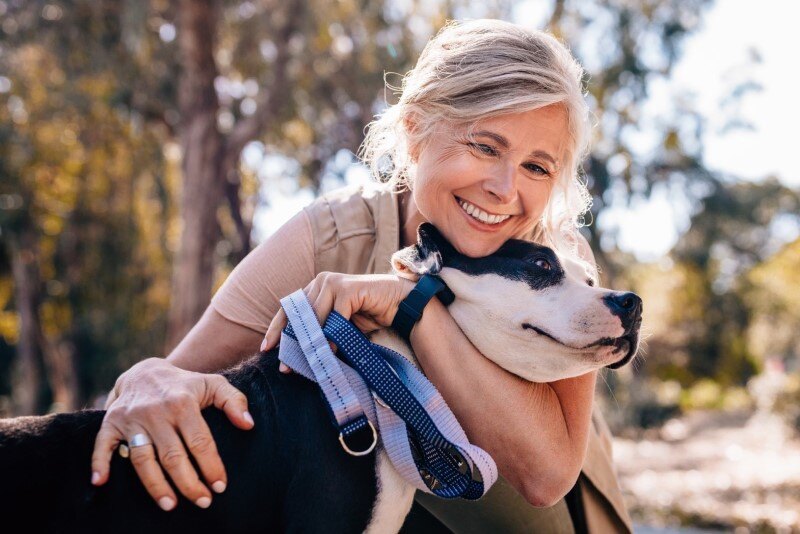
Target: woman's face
pixel 483 191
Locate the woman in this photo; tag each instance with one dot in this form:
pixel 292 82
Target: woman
pixel 484 143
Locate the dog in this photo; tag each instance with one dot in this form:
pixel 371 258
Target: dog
pixel 531 311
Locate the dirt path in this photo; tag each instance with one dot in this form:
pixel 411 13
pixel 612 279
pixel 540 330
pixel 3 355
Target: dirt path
pixel 714 470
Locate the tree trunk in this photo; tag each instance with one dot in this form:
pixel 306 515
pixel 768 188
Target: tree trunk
pixel 60 359
pixel 28 386
pixel 202 188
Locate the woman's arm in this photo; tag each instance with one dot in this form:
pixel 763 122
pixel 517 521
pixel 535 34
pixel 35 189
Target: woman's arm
pixel 537 433
pixel 163 398
pixel 214 343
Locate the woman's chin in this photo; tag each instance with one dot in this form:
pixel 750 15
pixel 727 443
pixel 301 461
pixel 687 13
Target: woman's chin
pixel 471 249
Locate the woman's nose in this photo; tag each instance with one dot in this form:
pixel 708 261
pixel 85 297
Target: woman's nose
pixel 501 184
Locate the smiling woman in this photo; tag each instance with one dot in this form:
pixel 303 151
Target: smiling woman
pixel 484 143
pixel 497 180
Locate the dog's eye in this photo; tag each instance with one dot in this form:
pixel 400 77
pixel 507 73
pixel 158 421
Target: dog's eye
pixel 543 263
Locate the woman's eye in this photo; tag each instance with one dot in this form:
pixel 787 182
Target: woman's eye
pixel 484 148
pixel 537 169
pixel 544 264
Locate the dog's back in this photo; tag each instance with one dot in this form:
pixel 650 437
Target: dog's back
pixel 288 473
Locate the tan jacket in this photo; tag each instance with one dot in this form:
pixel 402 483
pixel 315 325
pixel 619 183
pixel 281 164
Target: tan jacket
pixel 356 230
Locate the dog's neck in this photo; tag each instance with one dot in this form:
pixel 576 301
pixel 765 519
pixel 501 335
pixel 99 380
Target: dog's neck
pixel 386 337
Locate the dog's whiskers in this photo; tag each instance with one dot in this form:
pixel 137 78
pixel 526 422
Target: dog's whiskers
pixel 602 374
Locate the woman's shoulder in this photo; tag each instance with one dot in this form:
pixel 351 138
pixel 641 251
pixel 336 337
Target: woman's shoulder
pixel 361 217
pixel 350 210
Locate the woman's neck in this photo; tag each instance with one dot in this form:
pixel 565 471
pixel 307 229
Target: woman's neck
pixel 410 219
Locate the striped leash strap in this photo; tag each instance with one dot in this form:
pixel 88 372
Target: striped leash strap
pixel 418 431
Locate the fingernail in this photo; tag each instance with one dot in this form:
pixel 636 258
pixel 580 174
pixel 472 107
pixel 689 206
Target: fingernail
pixel 283 368
pixel 95 477
pixel 203 502
pixel 248 418
pixel 166 503
pixel 263 345
pixel 218 486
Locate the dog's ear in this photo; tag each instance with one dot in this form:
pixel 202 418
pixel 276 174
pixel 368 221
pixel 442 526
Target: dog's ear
pixel 428 256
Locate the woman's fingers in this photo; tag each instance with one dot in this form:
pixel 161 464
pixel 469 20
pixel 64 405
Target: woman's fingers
pixel 174 459
pixel 104 445
pixel 273 334
pixel 112 396
pixel 228 399
pixel 197 436
pixel 144 463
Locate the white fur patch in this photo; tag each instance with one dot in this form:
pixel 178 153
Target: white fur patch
pixel 394 500
pixel 491 310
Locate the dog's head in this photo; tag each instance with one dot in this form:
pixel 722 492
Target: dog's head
pixel 534 313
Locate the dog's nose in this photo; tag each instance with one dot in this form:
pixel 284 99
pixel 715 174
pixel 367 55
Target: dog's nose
pixel 626 306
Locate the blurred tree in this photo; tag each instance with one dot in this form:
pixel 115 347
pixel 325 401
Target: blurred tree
pixel 98 124
pixel 733 232
pixel 67 214
pixel 626 49
pixel 722 302
pixel 772 293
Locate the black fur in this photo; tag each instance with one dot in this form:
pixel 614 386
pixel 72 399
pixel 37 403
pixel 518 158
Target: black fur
pixel 514 260
pixel 277 481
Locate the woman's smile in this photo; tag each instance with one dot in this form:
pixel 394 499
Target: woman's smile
pixel 480 219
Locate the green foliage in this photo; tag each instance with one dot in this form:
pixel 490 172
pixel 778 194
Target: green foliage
pixel 90 166
pixel 90 162
pixel 76 170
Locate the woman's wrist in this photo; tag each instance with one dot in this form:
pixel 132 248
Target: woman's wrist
pixel 412 307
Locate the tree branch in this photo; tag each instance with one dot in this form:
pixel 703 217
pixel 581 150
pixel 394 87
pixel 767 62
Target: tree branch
pixel 248 129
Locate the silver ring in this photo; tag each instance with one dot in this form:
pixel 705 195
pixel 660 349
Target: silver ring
pixel 139 440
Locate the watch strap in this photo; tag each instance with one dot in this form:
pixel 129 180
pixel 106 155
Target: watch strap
pixel 410 309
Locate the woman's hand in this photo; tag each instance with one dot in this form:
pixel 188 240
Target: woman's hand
pixel 163 402
pixel 370 301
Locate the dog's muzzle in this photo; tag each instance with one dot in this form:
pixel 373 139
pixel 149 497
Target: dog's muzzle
pixel 628 307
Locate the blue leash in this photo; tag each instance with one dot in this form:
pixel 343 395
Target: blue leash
pixel 375 388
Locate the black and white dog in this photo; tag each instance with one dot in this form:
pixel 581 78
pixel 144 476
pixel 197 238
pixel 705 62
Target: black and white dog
pixel 530 311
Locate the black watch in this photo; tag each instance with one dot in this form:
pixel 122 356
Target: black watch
pixel 410 309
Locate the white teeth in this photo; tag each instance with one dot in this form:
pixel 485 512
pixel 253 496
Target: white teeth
pixel 481 215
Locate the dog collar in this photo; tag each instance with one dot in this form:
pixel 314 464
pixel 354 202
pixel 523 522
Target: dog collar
pixel 411 307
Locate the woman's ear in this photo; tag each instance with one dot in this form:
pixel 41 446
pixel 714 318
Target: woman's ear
pixel 410 124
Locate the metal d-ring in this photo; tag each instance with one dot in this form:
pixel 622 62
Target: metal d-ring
pixel 379 400
pixel 351 452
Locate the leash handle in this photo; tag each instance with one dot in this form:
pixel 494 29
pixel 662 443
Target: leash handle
pixel 342 400
pixel 419 433
pixel 440 459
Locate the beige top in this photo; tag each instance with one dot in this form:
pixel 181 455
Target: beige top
pixel 356 230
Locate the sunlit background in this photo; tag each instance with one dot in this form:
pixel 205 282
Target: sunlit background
pixel 696 203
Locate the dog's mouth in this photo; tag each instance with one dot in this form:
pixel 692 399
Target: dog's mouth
pixel 528 326
pixel 627 345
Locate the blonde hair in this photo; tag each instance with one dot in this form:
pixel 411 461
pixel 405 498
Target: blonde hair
pixel 483 68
